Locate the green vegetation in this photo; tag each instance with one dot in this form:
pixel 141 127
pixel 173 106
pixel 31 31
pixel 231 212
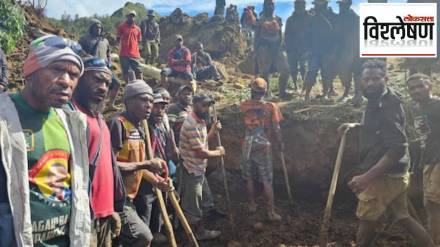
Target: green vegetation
pixel 78 25
pixel 12 25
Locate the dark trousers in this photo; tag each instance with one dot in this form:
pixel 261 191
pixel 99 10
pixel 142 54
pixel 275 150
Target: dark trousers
pixel 147 207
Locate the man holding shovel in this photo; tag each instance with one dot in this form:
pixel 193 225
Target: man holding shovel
pixel 262 120
pixel 195 152
pixel 381 185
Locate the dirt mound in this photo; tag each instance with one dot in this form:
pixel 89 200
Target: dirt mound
pixel 37 26
pixel 220 39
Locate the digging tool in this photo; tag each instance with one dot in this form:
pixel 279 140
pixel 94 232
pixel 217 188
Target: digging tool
pixel 323 234
pixel 162 205
pixel 175 204
pixel 186 227
pixel 225 183
pixel 286 177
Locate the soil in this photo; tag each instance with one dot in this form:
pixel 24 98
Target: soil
pixel 309 133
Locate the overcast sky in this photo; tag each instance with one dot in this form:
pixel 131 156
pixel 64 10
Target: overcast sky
pixel 55 8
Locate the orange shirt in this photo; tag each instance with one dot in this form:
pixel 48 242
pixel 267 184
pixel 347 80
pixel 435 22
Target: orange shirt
pixel 261 114
pixel 130 38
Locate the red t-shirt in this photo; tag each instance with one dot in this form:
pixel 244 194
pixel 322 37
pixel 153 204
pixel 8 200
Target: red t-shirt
pixel 102 193
pixel 175 55
pixel 130 38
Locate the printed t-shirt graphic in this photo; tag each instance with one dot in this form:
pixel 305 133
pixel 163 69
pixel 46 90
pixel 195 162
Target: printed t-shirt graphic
pixel 48 154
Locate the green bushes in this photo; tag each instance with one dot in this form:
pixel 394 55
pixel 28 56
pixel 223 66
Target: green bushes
pixel 12 24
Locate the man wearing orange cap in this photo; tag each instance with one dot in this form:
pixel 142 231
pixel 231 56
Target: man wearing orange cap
pixel 268 47
pixel 262 121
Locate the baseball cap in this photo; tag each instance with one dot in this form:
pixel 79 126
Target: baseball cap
pixel 178 36
pixel 258 85
pixel 203 98
pixel 159 99
pixel 132 12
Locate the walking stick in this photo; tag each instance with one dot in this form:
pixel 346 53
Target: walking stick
pixel 225 183
pixel 159 195
pixel 181 216
pixel 323 234
pixel 286 177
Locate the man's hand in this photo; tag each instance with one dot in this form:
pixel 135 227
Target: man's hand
pixel 2 88
pixel 156 165
pixel 346 126
pixel 115 224
pixel 216 127
pixel 221 150
pixel 163 184
pixel 359 183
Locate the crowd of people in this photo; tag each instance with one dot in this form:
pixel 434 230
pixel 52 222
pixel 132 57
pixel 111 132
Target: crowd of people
pixel 69 177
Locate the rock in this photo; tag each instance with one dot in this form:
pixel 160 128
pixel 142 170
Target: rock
pixel 248 66
pixel 219 38
pixel 238 86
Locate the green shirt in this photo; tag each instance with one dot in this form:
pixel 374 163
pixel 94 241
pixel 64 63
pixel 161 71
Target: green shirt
pixel 48 152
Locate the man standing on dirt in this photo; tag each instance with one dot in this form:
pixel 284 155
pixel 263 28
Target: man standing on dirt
pixel 128 135
pixel 150 38
pixel 163 147
pixel 44 197
pixel 382 180
pixel 96 45
pixel 262 121
pixel 203 68
pixel 88 98
pixel 426 122
pixel 322 49
pixel 248 21
pixel 179 61
pixel 296 42
pixel 347 48
pixel 195 152
pixel 129 35
pixel 268 48
pixel 3 71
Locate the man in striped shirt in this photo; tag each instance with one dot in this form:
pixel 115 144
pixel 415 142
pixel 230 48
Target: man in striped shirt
pixel 195 152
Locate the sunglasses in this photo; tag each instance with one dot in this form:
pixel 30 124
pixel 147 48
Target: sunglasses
pixel 58 42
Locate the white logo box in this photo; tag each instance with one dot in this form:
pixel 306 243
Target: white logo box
pixel 398 47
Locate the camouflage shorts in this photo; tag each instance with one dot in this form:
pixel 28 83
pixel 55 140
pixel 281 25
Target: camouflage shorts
pixel 258 167
pixel 387 195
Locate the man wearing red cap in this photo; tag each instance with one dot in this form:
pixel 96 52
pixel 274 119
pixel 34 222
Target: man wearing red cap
pixel 262 121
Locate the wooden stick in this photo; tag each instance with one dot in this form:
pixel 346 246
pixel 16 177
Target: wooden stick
pixel 162 206
pixel 183 220
pixel 225 183
pixel 286 177
pixel 323 234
